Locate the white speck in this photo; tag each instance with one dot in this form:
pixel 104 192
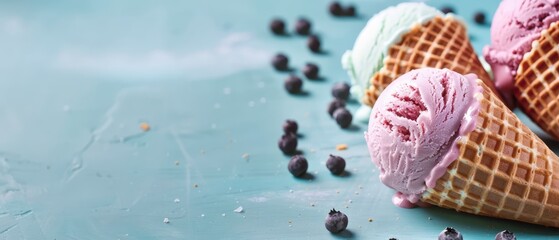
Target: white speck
pixel 291 190
pixel 226 91
pixel 251 104
pixel 350 201
pixel 214 126
pixel 66 108
pixel 177 200
pixel 203 215
pixel 261 84
pixel 166 220
pixel 223 214
pixel 238 210
pixel 217 106
pixel 262 100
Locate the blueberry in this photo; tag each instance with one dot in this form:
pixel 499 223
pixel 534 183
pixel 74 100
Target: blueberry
pixel 334 105
pixel 293 84
pixel 336 9
pixel 277 26
pixel 290 126
pixel 310 71
pixel 479 17
pixel 280 62
pixel 335 164
pixel 313 43
pixel 343 117
pixel 340 90
pixel 298 165
pixel 288 143
pixel 505 235
pixel 450 234
pixel 336 221
pixel 349 11
pixel 303 26
pixel 447 9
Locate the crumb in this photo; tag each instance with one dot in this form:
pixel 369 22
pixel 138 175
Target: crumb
pixel 289 222
pixel 350 201
pixel 203 215
pixel 177 200
pixel 312 204
pixel 370 220
pixel 239 209
pixel 145 126
pixel 177 162
pixel 246 156
pixel 356 193
pixel 341 147
pixel 291 190
pixel 313 150
pixel 346 206
pixel 338 191
pixel 195 185
pixel 223 214
pixel 429 218
pixel 166 220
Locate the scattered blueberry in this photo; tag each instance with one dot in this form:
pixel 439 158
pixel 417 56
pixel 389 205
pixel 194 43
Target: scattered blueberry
pixel 340 90
pixel 293 84
pixel 336 9
pixel 479 17
pixel 298 165
pixel 311 71
pixel 303 26
pixel 505 235
pixel 447 9
pixel 280 62
pixel 349 11
pixel 335 164
pixel 277 26
pixel 288 143
pixel 450 234
pixel 334 105
pixel 336 221
pixel 313 43
pixel 290 126
pixel 343 117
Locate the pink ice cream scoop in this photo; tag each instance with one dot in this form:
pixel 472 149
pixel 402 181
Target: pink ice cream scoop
pixel 516 24
pixel 414 126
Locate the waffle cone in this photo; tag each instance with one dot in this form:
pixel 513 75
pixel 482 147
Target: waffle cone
pixel 503 170
pixel 537 81
pixel 440 43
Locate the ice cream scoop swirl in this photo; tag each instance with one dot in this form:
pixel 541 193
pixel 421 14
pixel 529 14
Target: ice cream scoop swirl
pixel 414 126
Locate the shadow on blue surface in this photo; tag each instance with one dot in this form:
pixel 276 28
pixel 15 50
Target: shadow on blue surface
pixel 465 223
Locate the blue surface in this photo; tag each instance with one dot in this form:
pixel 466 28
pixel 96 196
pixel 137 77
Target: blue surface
pixel 77 79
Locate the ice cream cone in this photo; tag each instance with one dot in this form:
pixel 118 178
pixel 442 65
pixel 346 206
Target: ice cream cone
pixel 441 42
pixel 536 85
pixel 503 170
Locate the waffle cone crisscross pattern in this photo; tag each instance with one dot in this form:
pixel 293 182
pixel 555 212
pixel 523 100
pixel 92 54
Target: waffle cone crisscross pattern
pixel 537 82
pixel 440 43
pixel 503 170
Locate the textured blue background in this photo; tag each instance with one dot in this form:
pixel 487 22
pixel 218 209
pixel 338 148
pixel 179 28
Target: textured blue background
pixel 77 79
